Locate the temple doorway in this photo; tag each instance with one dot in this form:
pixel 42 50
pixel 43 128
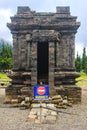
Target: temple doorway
pixel 42 62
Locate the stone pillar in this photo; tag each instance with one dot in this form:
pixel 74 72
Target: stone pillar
pixel 34 64
pixel 57 54
pixel 72 51
pixel 64 52
pixel 15 52
pixel 51 64
pixel 22 52
pixel 28 56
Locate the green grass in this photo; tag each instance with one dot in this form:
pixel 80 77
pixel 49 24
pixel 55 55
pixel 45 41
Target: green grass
pixel 4 76
pixel 82 83
pixel 4 79
pixel 82 80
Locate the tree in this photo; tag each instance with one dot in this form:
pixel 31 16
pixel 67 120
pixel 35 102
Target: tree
pixel 6 61
pixel 78 63
pixel 84 60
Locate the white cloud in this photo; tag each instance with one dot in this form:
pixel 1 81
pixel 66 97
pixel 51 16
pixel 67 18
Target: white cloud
pixel 79 48
pixel 5 17
pixel 5 13
pixel 77 8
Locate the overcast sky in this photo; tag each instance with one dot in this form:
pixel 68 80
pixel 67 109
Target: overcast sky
pixel 77 8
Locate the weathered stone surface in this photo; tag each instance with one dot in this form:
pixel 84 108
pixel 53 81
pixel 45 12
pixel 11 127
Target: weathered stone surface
pixel 56 97
pixel 53 113
pixel 14 101
pixel 37 121
pixel 73 92
pixel 51 118
pixel 27 99
pixel 7 100
pixel 32 117
pixel 50 105
pixel 43 114
pixel 65 102
pixel 26 91
pixel 23 103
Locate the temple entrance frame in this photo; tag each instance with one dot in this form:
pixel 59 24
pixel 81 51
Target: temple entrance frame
pixel 43 40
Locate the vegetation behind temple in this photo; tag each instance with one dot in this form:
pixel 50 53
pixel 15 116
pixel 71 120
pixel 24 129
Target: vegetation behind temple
pixel 81 62
pixel 6 61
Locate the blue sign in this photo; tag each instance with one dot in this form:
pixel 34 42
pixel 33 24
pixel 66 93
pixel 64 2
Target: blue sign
pixel 41 92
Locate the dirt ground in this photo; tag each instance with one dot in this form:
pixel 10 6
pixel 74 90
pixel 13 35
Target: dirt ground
pixel 16 119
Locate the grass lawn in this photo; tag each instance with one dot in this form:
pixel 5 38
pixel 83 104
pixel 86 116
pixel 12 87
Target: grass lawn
pixel 82 80
pixel 82 83
pixel 4 78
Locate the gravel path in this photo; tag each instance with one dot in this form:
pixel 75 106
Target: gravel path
pixel 16 119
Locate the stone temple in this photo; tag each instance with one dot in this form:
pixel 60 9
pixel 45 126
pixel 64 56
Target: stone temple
pixel 44 51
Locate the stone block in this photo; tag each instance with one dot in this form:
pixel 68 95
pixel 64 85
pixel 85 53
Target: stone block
pixel 56 97
pixel 23 103
pixel 50 105
pixel 53 113
pixel 65 102
pixel 14 101
pixel 32 117
pixel 27 99
pixel 26 91
pixel 7 101
pixel 35 105
pixel 33 111
pixel 51 118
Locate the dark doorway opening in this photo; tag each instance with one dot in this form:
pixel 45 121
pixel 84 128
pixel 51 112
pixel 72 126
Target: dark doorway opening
pixel 42 62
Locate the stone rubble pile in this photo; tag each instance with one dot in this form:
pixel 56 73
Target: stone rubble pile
pixel 49 109
pixel 26 101
pixel 44 112
pixel 62 102
pixel 57 100
pixel 68 94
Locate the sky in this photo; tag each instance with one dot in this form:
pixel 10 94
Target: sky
pixel 77 8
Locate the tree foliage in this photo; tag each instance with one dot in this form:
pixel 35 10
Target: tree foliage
pixel 84 61
pixel 6 61
pixel 81 62
pixel 78 63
